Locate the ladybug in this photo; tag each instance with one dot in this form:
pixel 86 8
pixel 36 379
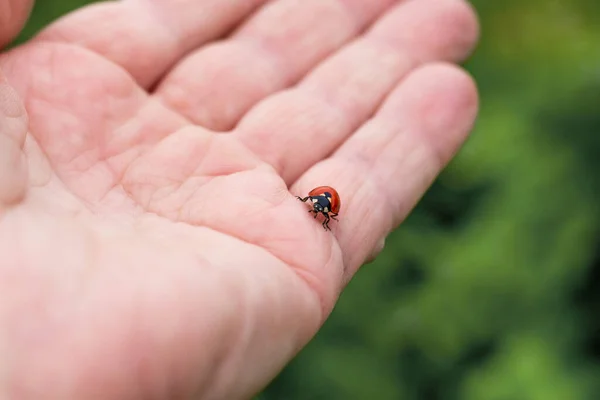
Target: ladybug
pixel 325 200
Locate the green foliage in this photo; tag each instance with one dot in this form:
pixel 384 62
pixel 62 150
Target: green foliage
pixel 490 290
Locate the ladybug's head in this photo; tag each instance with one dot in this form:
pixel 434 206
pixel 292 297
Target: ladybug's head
pixel 318 207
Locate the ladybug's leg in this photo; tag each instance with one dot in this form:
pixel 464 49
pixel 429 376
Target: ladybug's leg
pixel 303 199
pixel 333 216
pixel 326 222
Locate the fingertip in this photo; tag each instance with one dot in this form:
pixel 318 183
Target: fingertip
pixel 442 101
pixel 431 29
pixel 13 15
pixel 460 24
pixel 446 86
pixel 451 108
pixel 467 27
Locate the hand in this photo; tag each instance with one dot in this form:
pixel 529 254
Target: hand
pixel 152 244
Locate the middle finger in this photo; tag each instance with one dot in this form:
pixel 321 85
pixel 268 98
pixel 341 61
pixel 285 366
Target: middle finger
pixel 217 84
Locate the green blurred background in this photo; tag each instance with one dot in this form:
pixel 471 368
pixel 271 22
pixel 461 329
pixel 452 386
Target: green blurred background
pixel 491 288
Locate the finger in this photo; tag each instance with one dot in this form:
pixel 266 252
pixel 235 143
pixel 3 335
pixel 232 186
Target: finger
pixel 146 37
pixel 388 164
pixel 297 128
pixel 13 129
pixel 13 14
pixel 216 85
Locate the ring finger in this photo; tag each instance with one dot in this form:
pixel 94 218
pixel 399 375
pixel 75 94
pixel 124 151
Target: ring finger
pixel 295 129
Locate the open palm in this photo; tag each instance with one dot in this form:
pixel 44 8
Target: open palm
pixel 152 245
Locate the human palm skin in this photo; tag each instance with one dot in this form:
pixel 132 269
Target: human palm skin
pixel 151 151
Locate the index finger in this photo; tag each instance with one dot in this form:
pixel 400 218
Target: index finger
pixel 146 37
pixel 13 14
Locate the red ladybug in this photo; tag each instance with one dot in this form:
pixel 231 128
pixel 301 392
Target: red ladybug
pixel 325 200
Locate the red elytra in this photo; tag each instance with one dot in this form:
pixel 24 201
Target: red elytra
pixel 325 200
pixel 333 197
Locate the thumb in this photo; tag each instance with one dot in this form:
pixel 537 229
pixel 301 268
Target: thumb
pixel 13 129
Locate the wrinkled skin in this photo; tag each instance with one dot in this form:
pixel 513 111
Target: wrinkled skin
pixel 151 150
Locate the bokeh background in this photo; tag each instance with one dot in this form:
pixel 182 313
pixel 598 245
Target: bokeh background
pixel 491 288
